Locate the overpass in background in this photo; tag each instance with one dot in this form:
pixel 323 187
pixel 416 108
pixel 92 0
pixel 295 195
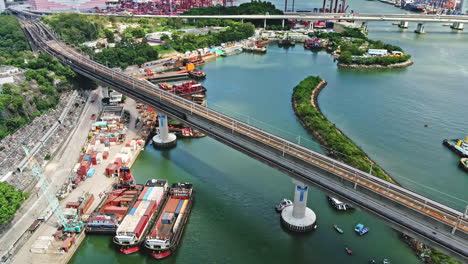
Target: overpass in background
pixel 433 223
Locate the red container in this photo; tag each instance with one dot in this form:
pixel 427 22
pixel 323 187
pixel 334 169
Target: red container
pixel 150 210
pixel 73 205
pixel 115 209
pixel 112 139
pixel 84 207
pixel 141 225
pixel 111 169
pixel 171 205
pixel 142 194
pixel 118 161
pixel 105 154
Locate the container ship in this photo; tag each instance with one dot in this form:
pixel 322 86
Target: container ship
pixel 166 233
pixel 115 205
pixel 140 218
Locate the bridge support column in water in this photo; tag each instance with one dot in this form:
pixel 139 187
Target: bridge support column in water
pixel 163 139
pixel 403 24
pixel 299 218
pixel 457 25
pixel 420 29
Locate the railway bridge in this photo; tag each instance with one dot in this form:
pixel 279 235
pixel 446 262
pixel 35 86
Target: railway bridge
pixel 431 222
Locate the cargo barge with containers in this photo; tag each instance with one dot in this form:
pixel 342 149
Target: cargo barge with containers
pixel 138 221
pixel 115 205
pixel 167 231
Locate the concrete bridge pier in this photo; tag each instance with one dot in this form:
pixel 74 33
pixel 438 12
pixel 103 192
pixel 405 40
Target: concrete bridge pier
pixel 364 26
pixel 298 217
pixel 282 23
pixel 420 29
pixel 457 25
pixel 163 139
pixel 403 24
pixel 264 23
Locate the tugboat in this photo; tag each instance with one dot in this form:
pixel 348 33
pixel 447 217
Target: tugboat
pixel 348 251
pixel 197 74
pixel 360 229
pixel 283 204
pixel 464 164
pixel 338 229
pixel 459 146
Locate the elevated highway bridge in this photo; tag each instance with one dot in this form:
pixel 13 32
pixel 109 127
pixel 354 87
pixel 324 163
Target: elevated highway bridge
pixel 431 222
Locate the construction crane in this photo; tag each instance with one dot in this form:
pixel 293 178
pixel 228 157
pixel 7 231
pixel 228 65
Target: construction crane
pixel 69 222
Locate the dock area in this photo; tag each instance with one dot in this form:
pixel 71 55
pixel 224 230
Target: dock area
pixel 42 246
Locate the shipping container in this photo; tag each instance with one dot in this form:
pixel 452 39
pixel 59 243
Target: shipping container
pixel 171 205
pixel 179 207
pixel 72 205
pixel 90 172
pixel 184 207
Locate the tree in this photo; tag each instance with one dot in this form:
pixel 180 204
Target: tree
pixel 345 58
pixel 10 200
pixel 139 61
pixel 109 35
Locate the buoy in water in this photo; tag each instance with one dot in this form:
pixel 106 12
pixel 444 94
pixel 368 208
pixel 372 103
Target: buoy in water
pixel 426 125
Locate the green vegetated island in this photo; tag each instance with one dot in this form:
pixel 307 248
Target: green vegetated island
pixel 353 49
pixel 339 146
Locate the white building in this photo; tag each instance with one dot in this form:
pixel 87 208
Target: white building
pixel 2 6
pixel 377 52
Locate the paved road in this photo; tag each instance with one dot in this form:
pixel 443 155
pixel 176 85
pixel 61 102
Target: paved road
pixel 56 172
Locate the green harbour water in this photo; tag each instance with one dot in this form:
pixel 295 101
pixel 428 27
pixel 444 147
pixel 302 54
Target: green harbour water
pixel 384 112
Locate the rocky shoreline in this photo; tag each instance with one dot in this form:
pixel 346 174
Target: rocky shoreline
pixel 376 66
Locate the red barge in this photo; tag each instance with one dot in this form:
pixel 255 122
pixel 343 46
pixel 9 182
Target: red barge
pixel 167 231
pixel 138 221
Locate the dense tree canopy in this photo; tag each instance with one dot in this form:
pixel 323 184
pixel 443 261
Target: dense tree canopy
pixel 251 8
pixel 10 200
pixel 20 104
pixel 76 28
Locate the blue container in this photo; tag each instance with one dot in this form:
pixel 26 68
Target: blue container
pixel 329 24
pixel 179 206
pixel 88 158
pixel 90 172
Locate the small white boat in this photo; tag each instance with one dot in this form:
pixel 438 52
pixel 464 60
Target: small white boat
pixel 386 261
pixel 283 204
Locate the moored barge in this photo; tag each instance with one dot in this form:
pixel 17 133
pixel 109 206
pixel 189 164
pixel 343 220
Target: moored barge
pixel 115 205
pixel 139 219
pixel 167 231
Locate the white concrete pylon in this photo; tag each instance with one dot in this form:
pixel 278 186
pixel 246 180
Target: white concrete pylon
pixel 163 127
pixel 300 199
